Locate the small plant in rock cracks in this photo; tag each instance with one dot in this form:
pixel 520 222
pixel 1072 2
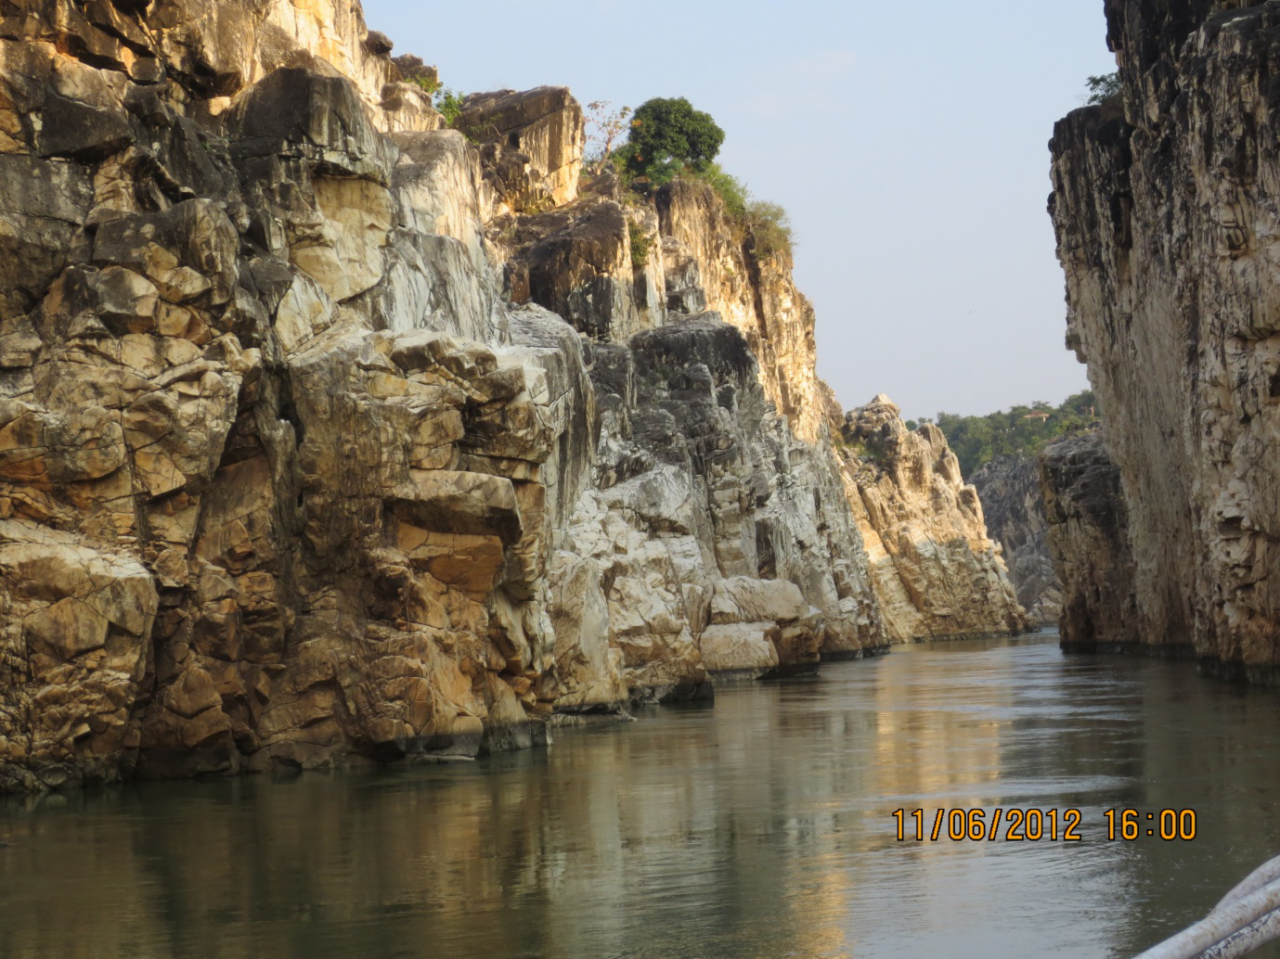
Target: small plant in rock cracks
pixel 639 244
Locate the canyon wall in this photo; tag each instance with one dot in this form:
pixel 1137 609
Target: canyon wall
pixel 1088 538
pixel 1014 509
pixel 934 569
pixel 330 435
pixel 1165 203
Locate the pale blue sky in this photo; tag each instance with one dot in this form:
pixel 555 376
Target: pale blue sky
pixel 908 141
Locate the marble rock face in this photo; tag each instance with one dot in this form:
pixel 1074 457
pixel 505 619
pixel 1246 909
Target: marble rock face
pixel 329 435
pixel 1165 204
pixel 1013 505
pixel 935 571
pixel 1088 538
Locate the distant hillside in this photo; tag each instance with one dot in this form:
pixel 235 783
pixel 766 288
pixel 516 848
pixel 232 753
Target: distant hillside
pixel 976 440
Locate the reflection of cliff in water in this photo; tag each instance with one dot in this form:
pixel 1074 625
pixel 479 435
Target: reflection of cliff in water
pixel 759 829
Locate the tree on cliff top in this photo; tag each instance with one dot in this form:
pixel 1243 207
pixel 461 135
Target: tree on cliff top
pixel 1103 88
pixel 668 135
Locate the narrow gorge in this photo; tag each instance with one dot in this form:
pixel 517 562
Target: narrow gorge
pixel 331 433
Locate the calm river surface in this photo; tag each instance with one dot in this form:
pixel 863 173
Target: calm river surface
pixel 759 829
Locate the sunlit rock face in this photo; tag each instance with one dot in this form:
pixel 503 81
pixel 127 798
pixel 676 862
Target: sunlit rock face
pixel 934 569
pixel 1164 205
pixel 328 435
pixel 1013 506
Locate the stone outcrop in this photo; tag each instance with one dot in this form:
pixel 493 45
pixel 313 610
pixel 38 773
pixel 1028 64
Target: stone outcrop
pixel 1013 505
pixel 1164 203
pixel 281 476
pixel 1088 538
pixel 328 435
pixel 934 569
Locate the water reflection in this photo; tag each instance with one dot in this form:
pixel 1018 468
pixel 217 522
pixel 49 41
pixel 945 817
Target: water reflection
pixel 761 829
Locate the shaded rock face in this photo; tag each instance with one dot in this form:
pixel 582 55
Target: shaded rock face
pixel 1013 506
pixel 1088 537
pixel 935 572
pixel 1164 204
pixel 721 543
pixel 298 467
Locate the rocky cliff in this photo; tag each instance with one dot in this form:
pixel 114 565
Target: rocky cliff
pixel 1164 203
pixel 330 435
pixel 1013 505
pixel 1088 538
pixel 934 569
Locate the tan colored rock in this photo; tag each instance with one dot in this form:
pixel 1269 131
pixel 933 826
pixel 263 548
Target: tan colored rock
pixel 745 600
pixel 937 574
pixel 345 255
pixel 286 479
pixel 740 648
pixel 455 502
pixel 66 629
pixel 536 136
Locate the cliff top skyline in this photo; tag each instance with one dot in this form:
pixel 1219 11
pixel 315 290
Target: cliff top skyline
pixel 908 144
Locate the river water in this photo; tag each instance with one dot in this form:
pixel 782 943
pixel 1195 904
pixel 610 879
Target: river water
pixel 760 829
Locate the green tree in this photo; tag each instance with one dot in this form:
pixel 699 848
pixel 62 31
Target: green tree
pixel 448 104
pixel 668 135
pixel 1103 88
pixel 1025 430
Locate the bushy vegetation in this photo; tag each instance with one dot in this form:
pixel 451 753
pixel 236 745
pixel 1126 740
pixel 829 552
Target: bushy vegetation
pixel 639 244
pixel 770 224
pixel 1103 88
pixel 976 440
pixel 669 135
pixel 427 82
pixel 670 139
pixel 730 189
pixel 448 103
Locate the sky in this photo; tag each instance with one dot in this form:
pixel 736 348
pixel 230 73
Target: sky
pixel 908 141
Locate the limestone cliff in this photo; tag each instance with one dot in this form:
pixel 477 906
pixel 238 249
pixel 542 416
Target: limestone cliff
pixel 1088 538
pixel 718 528
pixel 330 435
pixel 1013 505
pixel 1164 203
pixel 935 571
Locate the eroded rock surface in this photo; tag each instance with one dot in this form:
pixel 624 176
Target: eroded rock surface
pixel 1013 506
pixel 935 571
pixel 1165 203
pixel 1088 537
pixel 328 435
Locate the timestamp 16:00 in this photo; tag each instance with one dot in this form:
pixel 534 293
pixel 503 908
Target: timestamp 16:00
pixel 1034 825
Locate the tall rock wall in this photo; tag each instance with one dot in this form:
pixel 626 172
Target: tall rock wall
pixel 934 569
pixel 1165 202
pixel 720 535
pixel 328 435
pixel 1013 505
pixel 1088 538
